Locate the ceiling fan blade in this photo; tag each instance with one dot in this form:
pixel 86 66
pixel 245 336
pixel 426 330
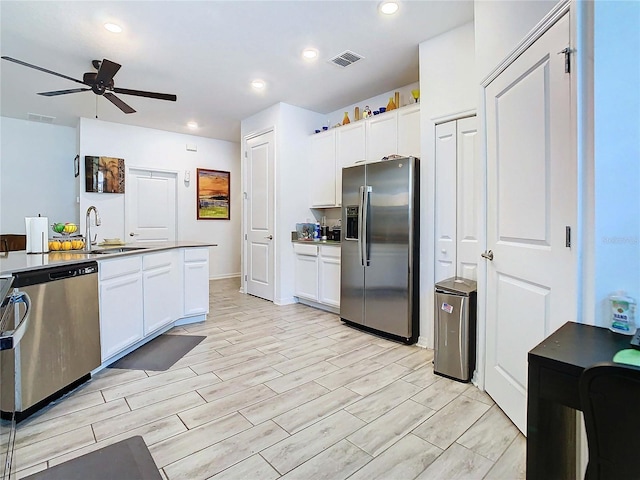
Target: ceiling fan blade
pixel 64 92
pixel 118 103
pixel 20 62
pixel 140 93
pixel 106 71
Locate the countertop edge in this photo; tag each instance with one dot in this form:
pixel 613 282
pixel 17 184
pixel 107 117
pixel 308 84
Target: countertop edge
pixel 318 242
pixel 20 261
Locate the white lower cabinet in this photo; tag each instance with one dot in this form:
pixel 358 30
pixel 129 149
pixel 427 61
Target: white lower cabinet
pixel 329 278
pixel 317 270
pixel 142 293
pixel 161 280
pixel 306 264
pixel 196 281
pixel 120 304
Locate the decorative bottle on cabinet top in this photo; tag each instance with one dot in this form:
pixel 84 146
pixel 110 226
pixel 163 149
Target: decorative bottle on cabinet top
pixel 346 120
pixel 391 105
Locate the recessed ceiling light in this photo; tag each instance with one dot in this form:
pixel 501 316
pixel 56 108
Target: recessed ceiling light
pixel 113 28
pixel 388 8
pixel 258 84
pixel 192 125
pixel 310 53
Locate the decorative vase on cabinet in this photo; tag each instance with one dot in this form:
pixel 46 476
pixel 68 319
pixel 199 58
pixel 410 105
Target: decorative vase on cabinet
pixel 346 120
pixel 391 105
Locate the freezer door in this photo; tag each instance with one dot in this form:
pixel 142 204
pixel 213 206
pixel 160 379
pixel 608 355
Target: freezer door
pixel 451 356
pixel 351 268
pixel 389 245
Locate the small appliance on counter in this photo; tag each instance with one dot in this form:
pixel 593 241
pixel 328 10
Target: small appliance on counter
pixel 37 236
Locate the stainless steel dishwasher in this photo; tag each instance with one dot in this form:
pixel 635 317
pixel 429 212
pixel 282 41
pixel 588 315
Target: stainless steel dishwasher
pixel 62 344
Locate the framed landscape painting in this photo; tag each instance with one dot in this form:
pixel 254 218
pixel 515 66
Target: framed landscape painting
pixel 213 190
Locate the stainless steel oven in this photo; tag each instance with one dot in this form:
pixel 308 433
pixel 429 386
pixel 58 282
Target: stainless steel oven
pixel 14 322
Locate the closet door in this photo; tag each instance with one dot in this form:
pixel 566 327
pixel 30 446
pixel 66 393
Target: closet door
pixel 469 183
pixel 445 218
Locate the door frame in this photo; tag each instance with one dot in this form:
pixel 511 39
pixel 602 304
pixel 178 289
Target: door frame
pixel 127 199
pixel 245 208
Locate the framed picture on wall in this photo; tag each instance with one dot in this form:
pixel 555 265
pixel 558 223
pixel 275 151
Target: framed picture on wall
pixel 104 174
pixel 213 194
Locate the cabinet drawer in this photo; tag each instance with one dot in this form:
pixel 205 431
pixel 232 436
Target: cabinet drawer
pixel 196 254
pixel 332 251
pixel 302 249
pixel 156 260
pixel 117 268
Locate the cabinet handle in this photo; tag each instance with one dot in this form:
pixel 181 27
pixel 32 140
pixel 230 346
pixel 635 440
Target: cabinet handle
pixel 270 237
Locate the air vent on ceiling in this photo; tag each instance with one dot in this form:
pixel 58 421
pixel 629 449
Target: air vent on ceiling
pixel 346 58
pixel 36 117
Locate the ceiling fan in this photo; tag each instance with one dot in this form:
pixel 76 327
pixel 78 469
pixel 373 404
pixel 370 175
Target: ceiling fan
pixel 100 82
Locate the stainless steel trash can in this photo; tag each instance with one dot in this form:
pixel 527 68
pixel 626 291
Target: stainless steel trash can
pixel 455 328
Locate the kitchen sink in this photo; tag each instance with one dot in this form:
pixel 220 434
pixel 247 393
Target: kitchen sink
pixel 107 251
pixel 104 251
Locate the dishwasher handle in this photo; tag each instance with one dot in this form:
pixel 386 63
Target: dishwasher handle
pixel 61 275
pixel 11 338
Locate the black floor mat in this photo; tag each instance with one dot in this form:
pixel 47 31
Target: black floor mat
pixel 159 354
pixel 129 459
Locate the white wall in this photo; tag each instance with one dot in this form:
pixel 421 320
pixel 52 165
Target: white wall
pixel 149 148
pixel 617 152
pixel 501 25
pixel 448 86
pixel 36 173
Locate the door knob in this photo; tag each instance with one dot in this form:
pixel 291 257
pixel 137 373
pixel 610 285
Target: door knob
pixel 270 237
pixel 131 234
pixel 488 255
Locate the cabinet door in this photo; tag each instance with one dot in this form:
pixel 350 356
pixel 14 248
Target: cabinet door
pixel 445 205
pixel 120 313
pixel 330 276
pixel 162 290
pixel 382 136
pixel 196 282
pixel 323 169
pixel 306 276
pixel 350 148
pixel 409 131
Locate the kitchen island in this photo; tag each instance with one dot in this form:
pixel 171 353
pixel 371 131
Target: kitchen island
pixel 143 289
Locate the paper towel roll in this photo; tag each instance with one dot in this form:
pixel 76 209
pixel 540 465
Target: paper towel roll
pixel 37 236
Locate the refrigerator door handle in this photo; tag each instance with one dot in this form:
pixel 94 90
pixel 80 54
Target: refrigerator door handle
pixel 365 224
pixel 360 210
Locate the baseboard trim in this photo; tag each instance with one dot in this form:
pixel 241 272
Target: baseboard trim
pixel 224 276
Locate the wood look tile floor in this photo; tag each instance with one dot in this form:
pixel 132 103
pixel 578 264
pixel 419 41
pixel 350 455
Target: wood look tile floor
pixel 283 392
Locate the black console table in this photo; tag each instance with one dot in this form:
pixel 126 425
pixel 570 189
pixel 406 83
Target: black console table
pixel 555 366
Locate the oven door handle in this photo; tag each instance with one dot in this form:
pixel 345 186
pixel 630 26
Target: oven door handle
pixel 11 338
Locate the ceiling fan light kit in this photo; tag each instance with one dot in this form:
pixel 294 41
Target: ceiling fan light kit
pixel 100 83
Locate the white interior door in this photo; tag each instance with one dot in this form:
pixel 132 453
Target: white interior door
pixel 260 262
pixel 151 201
pixel 531 195
pixel 445 221
pixel 469 196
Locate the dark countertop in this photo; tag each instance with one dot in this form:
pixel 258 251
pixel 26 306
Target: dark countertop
pixel 21 261
pixel 335 243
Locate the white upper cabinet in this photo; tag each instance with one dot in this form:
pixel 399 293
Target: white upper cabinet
pixel 409 131
pixel 323 169
pixel 350 149
pixel 389 133
pixel 382 136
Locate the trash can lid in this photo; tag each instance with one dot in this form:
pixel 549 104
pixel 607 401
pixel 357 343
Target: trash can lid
pixel 458 285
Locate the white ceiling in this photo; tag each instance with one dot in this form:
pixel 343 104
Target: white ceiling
pixel 207 53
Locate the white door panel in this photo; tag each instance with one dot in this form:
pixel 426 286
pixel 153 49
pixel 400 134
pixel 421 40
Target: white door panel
pixel 469 191
pixel 446 214
pixel 260 212
pixel 151 206
pixel 531 198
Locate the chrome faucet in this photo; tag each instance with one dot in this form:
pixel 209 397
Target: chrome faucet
pixel 88 226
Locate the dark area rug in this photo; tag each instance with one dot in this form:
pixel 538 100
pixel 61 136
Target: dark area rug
pixel 159 354
pixel 126 460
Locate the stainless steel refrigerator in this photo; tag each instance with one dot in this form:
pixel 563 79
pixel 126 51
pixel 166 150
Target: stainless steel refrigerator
pixel 380 244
